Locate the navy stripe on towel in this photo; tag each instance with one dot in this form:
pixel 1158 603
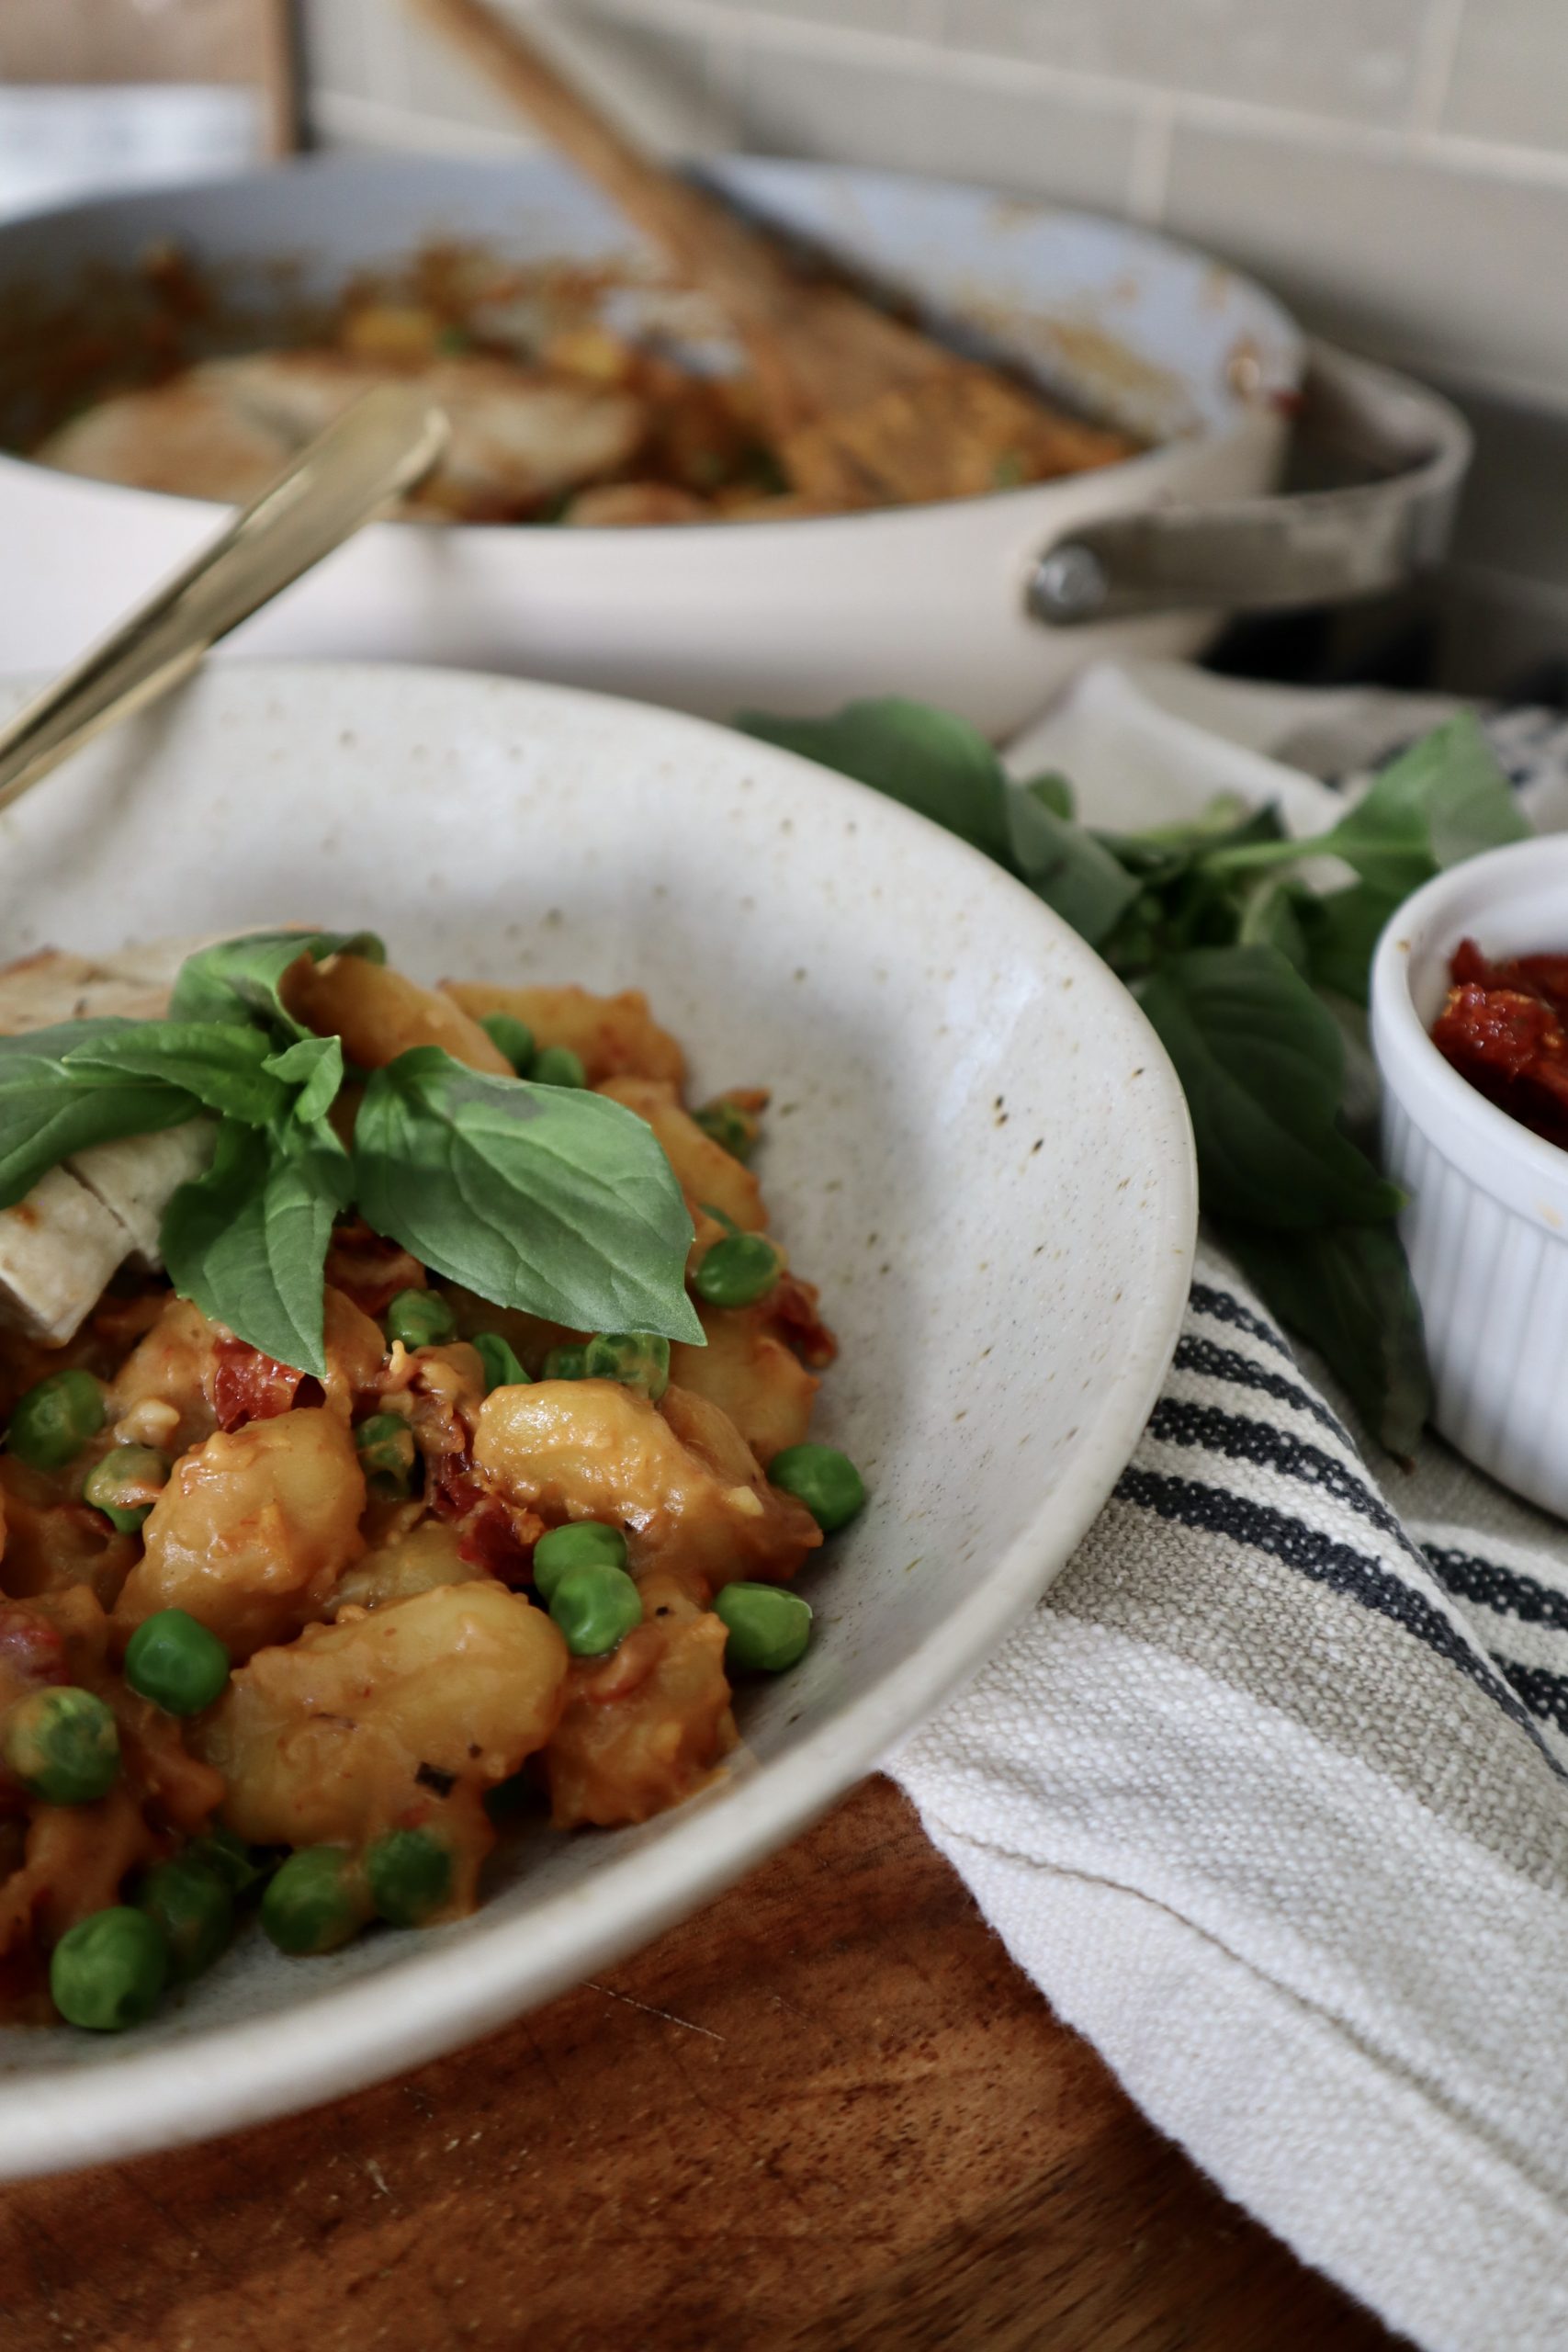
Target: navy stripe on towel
pixel 1213 1510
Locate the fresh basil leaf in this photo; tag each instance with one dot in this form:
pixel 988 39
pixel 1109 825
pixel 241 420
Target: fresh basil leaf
pixel 48 1111
pixel 929 760
pixel 1197 910
pixel 1273 912
pixel 1055 792
pixel 1138 941
pixel 1341 929
pixel 62 1036
pixel 315 1065
pixel 1443 800
pixel 1346 1290
pixel 1065 866
pixel 551 1199
pixel 248 1241
pixel 236 980
pixel 222 1068
pixel 1261 1063
pixel 1161 852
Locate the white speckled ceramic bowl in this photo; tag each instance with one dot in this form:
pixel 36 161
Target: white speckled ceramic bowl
pixel 976 1146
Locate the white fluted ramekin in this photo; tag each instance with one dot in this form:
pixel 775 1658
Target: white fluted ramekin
pixel 1486 1227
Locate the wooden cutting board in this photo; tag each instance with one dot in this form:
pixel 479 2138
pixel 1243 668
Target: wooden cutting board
pixel 824 2113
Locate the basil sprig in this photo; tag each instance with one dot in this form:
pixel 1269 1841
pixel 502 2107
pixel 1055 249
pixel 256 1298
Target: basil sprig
pixel 236 980
pixel 444 1154
pixel 248 1241
pixel 545 1198
pixel 1254 980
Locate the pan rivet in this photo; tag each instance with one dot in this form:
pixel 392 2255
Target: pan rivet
pixel 1067 582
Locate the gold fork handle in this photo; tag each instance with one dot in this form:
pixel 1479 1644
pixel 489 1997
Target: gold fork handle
pixel 377 451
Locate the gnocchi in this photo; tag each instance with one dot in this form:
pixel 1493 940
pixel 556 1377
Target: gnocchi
pixel 322 1627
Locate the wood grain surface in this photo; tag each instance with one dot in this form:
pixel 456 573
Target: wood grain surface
pixel 827 2112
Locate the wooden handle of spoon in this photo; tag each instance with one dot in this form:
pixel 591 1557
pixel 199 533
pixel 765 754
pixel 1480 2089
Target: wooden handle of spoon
pixel 704 240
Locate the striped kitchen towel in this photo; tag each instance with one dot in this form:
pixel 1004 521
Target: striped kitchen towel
pixel 1269 1795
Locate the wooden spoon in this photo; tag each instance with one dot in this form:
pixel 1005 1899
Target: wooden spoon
pixel 861 410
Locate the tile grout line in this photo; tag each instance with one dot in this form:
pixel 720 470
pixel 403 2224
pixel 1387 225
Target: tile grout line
pixel 1437 57
pixel 1148 170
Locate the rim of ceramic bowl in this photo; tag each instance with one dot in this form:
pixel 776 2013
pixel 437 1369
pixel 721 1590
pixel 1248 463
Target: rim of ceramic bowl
pixel 233 2075
pixel 1506 1159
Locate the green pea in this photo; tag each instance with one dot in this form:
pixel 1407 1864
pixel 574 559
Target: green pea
pixel 557 1065
pixel 738 1271
pixel 586 1542
pixel 421 1318
pixel 53 1422
pixel 61 1745
pixel 238 1865
pixel 193 1906
pixel 513 1038
pixel 826 1481
pixel 568 1361
pixel 638 1359
pixel 595 1607
pixel 502 1367
pixel 174 1660
pixel 386 1449
pixel 313 1902
pixel 125 1483
pixel 110 1970
pixel 733 1129
pixel 769 1628
pixel 409 1875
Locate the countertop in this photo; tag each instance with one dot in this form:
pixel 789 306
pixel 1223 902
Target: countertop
pixel 826 2112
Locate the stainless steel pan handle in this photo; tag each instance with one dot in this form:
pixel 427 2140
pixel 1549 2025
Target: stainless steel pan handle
pixel 1312 547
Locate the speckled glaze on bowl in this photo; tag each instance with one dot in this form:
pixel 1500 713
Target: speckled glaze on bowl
pixel 976 1146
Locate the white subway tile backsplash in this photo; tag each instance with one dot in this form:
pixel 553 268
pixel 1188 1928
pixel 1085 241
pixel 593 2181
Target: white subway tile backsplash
pixel 1354 60
pixel 1031 144
pixel 911 19
pixel 789 105
pixel 1013 137
pixel 337 45
pixel 1510 76
pixel 1452 269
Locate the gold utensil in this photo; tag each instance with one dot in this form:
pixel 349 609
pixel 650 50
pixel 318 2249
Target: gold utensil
pixel 374 453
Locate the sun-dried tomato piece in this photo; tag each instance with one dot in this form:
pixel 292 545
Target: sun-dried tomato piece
pixel 370 1270
pixel 32 1649
pixel 489 1535
pixel 1502 1028
pixel 792 1307
pixel 249 1386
